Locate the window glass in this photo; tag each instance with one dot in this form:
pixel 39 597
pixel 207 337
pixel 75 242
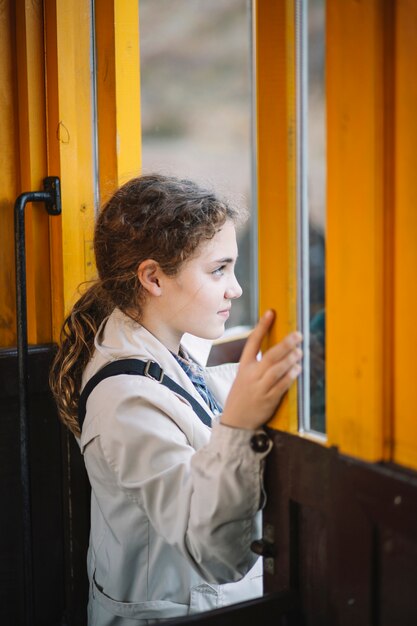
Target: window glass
pixel 196 99
pixel 311 122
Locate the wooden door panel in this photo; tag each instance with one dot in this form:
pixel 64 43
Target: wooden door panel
pixel 345 535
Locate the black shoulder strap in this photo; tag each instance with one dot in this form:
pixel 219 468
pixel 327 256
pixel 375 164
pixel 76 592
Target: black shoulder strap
pixel 150 369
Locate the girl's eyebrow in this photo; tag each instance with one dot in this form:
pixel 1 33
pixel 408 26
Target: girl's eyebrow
pixel 224 260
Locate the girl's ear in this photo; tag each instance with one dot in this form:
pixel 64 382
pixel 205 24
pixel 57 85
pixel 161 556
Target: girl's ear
pixel 149 273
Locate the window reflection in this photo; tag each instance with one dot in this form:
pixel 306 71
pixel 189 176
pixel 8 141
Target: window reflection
pixel 312 190
pixel 196 108
pixel 317 207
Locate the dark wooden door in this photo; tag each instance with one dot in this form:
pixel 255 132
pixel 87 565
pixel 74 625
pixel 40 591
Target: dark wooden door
pixel 59 502
pixel 344 535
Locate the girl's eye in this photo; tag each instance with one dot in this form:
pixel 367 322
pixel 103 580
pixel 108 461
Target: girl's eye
pixel 219 271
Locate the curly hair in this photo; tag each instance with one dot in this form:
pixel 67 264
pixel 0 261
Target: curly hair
pixel 150 217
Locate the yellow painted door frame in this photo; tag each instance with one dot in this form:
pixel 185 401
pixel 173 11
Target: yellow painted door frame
pixel 81 119
pixel 52 113
pixel 23 166
pixel 276 172
pixel 357 306
pixel 371 231
pixel 118 91
pixel 53 124
pixel 70 96
pixel 404 133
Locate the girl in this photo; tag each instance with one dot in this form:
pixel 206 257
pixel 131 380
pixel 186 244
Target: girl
pixel 175 503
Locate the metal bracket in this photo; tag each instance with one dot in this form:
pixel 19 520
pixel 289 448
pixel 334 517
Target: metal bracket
pixel 265 547
pixel 52 187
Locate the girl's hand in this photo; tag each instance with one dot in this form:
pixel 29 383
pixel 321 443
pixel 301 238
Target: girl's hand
pixel 260 385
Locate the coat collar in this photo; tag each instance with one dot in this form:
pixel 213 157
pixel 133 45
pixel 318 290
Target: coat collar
pixel 120 337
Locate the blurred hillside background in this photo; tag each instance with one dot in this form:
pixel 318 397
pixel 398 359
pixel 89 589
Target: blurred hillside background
pixel 196 107
pixel 196 98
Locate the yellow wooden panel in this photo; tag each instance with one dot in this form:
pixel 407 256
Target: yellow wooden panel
pixel 70 143
pixel 106 101
pixel 56 137
pixel 355 359
pixel 8 179
pixel 54 162
pixel 118 92
pixel 127 88
pixel 32 149
pixel 275 92
pixel 23 165
pixel 405 402
pixel 71 127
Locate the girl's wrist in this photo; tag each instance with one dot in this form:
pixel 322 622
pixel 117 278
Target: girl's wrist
pixel 227 420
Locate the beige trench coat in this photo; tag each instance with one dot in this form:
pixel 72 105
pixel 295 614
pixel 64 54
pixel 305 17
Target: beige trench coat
pixel 175 505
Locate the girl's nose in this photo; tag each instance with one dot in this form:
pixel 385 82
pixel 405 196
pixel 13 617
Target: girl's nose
pixel 234 290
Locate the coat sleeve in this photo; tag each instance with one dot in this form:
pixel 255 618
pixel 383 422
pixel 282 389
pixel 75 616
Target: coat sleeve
pixel 203 502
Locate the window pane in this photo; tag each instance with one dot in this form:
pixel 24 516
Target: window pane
pixel 312 214
pixel 197 108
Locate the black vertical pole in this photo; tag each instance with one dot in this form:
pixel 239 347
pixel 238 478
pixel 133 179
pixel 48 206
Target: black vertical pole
pixel 51 197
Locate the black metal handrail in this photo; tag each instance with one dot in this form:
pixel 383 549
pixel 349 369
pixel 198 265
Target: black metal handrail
pixel 51 196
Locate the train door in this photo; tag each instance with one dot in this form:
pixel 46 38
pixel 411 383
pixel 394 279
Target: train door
pixel 337 257
pixel 340 523
pixel 32 552
pixel 52 94
pixel 339 542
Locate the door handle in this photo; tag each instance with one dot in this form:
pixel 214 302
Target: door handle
pixel 51 196
pixel 264 548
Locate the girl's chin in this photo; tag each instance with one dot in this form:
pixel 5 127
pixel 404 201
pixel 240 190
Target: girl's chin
pixel 210 336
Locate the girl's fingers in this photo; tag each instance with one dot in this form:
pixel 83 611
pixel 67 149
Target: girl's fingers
pixel 284 383
pixel 283 373
pixel 281 350
pixel 254 341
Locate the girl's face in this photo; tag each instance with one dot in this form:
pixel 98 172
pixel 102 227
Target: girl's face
pixel 199 298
